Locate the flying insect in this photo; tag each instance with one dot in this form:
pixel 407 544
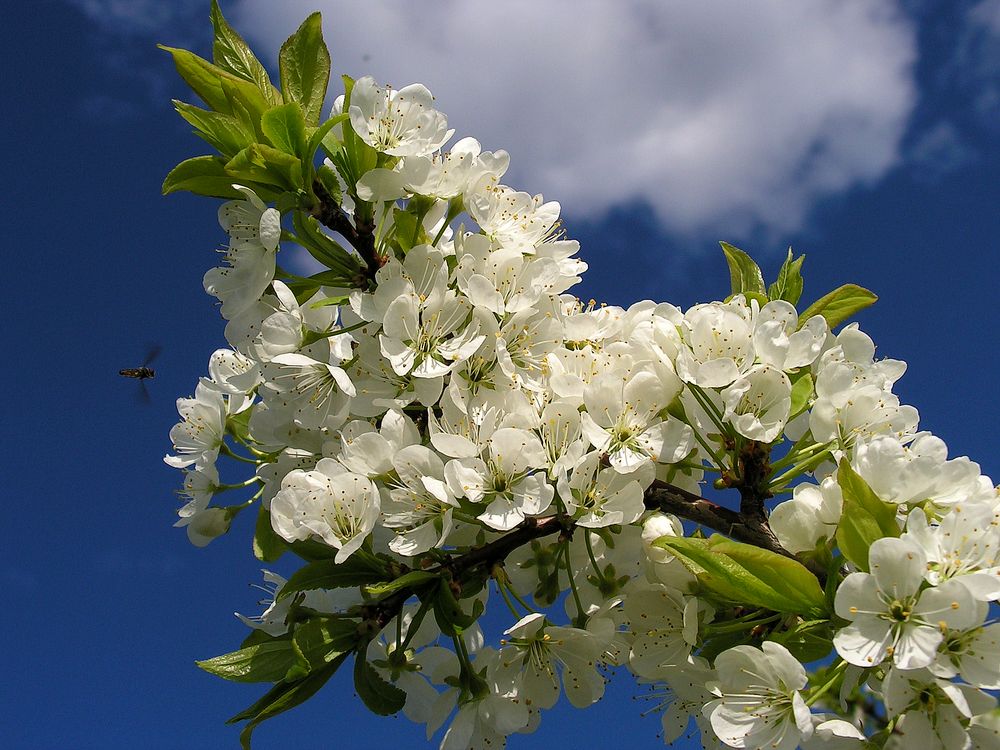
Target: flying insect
pixel 143 372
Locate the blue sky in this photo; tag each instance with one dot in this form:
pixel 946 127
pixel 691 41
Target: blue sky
pixel 864 134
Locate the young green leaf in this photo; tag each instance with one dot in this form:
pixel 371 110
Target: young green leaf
pixel 730 580
pixel 789 284
pixel 265 662
pixel 283 697
pixel 206 80
pixel 304 63
pixel 802 391
pixel 808 641
pixel 327 177
pixel 231 53
pixel 840 304
pixel 267 545
pixel 324 248
pixel 319 641
pixel 381 697
pixel 409 230
pixel 787 577
pixel 207 175
pixel 326 574
pixel 227 134
pixel 451 618
pixel 744 274
pixel 285 128
pixel 413 578
pixel 268 165
pixel 865 518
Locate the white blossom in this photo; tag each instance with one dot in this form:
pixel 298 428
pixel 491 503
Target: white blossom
pixel 400 123
pixel 331 503
pixel 760 704
pixel 891 616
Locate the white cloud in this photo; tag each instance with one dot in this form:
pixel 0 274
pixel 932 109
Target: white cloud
pixel 141 16
pixel 725 112
pixel 939 150
pixel 978 60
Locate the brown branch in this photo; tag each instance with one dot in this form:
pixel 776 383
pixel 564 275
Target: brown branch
pixel 750 529
pixel 754 472
pixel 671 499
pixel 488 555
pixel 361 237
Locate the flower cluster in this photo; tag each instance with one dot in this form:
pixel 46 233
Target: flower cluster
pixel 447 427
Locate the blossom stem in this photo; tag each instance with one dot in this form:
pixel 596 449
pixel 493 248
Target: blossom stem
pixel 836 675
pixel 711 451
pixel 502 588
pixel 711 409
pixel 793 455
pixel 227 451
pixel 338 331
pixel 797 469
pixel 593 558
pixel 361 238
pixel 581 617
pixel 240 485
pixel 735 627
pixel 414 626
pixel 683 464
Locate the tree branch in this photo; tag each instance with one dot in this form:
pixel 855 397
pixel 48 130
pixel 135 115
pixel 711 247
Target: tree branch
pixel 671 499
pixel 750 529
pixel 361 237
pixel 488 555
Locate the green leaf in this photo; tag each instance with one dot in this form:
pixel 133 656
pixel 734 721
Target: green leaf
pixel 267 545
pixel 319 641
pixel 802 391
pixel 407 580
pixel 840 304
pixel 355 157
pixel 744 274
pixel 268 165
pixel 328 179
pixel 865 517
pixel 207 175
pixel 304 63
pixel 807 641
pixel 323 247
pixel 265 662
pixel 327 574
pixel 206 80
pixel 381 697
pixel 319 135
pixel 719 643
pixel 282 697
pixel 227 134
pixel 328 301
pixel 788 577
pixel 247 110
pixel 728 579
pixel 257 637
pixel 409 230
pixel 231 53
pixel 451 618
pixel 285 128
pixel 789 284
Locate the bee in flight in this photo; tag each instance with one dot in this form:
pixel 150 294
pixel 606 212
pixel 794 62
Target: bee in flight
pixel 142 372
pixel 138 372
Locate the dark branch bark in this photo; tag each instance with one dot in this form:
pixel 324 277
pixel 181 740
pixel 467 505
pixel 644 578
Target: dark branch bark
pixel 754 470
pixel 687 505
pixel 488 555
pixel 362 238
pixel 750 529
